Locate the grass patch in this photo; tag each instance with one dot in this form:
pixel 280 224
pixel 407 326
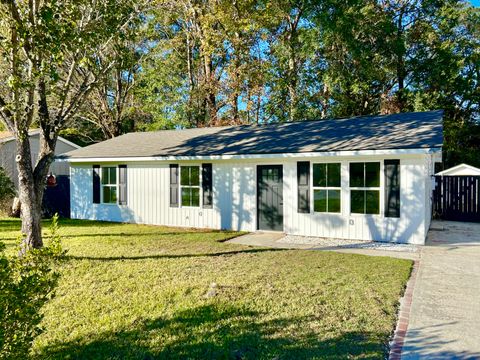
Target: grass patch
pixel 138 292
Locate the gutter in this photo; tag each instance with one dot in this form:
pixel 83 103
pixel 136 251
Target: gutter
pixel 392 152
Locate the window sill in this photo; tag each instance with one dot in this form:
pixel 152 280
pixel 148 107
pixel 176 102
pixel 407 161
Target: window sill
pixel 366 215
pixel 326 213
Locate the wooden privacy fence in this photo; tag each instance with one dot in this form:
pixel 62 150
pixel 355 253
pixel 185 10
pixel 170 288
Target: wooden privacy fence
pixel 457 198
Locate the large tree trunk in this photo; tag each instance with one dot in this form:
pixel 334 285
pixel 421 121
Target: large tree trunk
pixel 400 64
pixel 32 187
pixel 30 209
pixel 292 87
pixel 210 89
pixel 292 40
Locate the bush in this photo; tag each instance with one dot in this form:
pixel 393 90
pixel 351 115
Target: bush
pixel 7 192
pixel 26 284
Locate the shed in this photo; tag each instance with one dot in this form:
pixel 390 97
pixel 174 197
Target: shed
pixel 8 153
pixel 460 170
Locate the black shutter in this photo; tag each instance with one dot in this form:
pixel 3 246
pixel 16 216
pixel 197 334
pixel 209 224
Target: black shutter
pixel 392 188
pixel 174 185
pixel 303 180
pixel 207 186
pixel 122 184
pixel 96 184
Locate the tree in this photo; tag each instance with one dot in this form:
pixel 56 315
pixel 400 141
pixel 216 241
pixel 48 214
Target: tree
pixel 111 106
pixel 53 55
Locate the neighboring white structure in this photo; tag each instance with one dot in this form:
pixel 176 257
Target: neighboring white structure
pixel 366 178
pixel 460 170
pixel 8 153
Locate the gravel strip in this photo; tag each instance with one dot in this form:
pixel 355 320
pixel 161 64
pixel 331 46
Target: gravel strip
pixel 347 244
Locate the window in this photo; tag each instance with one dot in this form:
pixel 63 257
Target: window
pixel 190 185
pixel 365 188
pixel 326 188
pixel 109 185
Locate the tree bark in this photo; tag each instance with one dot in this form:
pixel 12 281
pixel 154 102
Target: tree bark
pixel 210 90
pixel 31 212
pixel 400 64
pixel 292 39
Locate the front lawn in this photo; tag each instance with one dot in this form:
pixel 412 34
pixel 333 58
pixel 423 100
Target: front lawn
pixel 140 292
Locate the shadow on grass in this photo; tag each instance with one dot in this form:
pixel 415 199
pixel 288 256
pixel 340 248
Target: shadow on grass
pixel 220 331
pixel 173 256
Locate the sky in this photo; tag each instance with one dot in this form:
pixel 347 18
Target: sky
pixel 475 2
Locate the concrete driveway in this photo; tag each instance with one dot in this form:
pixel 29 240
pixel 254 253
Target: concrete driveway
pixel 445 310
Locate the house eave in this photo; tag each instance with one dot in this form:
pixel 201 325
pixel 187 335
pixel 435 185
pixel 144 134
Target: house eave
pixel 385 152
pixel 37 132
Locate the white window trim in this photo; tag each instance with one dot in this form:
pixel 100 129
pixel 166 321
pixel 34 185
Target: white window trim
pixel 200 192
pixel 313 188
pixel 379 188
pixel 102 185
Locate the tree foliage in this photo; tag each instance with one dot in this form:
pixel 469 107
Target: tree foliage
pixel 26 284
pixel 252 61
pixel 7 188
pixel 53 55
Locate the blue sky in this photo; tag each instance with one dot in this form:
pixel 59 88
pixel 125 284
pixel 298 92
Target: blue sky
pixel 475 2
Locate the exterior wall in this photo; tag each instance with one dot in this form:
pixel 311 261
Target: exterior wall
pixel 429 187
pixel 8 153
pixel 234 207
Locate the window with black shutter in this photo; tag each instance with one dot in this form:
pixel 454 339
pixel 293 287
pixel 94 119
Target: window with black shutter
pixel 174 185
pixel 122 184
pixel 392 188
pixel 365 188
pixel 96 184
pixel 303 182
pixel 327 187
pixel 207 186
pixel 109 185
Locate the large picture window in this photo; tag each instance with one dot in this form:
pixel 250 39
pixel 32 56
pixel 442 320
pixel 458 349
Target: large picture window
pixel 109 185
pixel 365 188
pixel 326 188
pixel 190 185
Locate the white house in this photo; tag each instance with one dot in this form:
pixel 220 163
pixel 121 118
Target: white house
pixel 8 153
pixel 460 170
pixel 365 178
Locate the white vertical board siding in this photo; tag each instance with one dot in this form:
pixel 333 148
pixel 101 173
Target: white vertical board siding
pixel 234 200
pixel 410 227
pixel 148 201
pixel 429 187
pixel 234 194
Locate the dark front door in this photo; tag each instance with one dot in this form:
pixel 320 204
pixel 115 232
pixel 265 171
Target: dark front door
pixel 270 197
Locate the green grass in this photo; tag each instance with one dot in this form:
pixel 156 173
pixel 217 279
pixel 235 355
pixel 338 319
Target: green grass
pixel 138 292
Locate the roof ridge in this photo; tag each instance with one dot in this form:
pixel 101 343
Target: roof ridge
pixel 287 122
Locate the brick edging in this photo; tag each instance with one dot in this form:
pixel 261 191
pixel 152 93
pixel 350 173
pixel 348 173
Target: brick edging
pixel 396 344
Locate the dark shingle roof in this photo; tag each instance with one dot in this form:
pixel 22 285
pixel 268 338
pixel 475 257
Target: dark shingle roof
pixel 398 131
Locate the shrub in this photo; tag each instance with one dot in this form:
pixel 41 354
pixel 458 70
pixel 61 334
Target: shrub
pixel 26 284
pixel 7 192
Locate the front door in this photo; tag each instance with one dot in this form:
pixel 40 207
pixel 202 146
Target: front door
pixel 270 197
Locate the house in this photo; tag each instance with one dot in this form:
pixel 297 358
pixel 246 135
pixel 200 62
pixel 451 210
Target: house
pixel 460 170
pixel 8 153
pixel 366 178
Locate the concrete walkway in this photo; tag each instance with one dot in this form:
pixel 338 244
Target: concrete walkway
pixel 444 318
pixel 274 240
